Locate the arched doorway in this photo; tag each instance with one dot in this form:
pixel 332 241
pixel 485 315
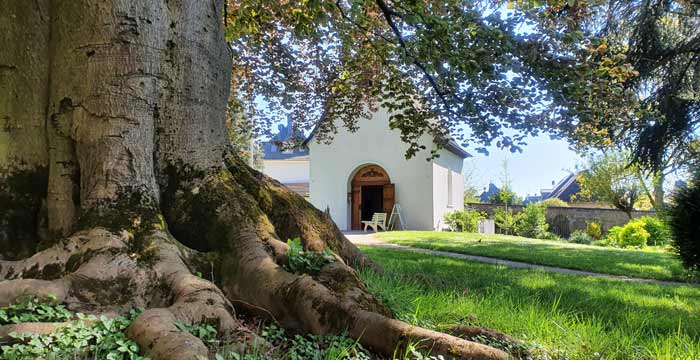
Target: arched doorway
pixel 371 192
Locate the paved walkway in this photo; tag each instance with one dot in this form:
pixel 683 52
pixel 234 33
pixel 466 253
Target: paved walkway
pixel 368 239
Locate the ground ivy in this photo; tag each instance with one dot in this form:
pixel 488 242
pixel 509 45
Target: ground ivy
pixel 300 261
pixel 87 337
pixel 34 310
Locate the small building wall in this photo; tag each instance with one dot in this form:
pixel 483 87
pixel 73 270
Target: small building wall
pixel 565 220
pixel 287 171
pixel 446 166
pixel 332 166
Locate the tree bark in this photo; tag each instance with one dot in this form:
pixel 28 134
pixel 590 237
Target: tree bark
pixel 659 193
pixel 116 126
pixel 23 146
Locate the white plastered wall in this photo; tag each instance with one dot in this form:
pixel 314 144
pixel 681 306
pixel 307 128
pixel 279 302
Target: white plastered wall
pixel 447 163
pixel 332 166
pixel 287 171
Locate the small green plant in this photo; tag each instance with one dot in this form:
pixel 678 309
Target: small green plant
pixel 304 347
pixel 580 237
pixel 98 338
pixel 464 220
pixel 413 352
pixel 505 220
pixel 31 309
pixel 532 221
pixel 274 334
pixel 300 261
pixel 613 237
pixel 551 236
pixel 204 332
pixel 633 235
pixel 594 230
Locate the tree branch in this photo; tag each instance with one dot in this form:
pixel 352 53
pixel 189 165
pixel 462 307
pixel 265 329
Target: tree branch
pixel 388 15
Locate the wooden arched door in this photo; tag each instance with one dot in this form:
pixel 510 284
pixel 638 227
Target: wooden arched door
pixel 372 191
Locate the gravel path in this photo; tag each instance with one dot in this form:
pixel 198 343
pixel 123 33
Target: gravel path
pixel 368 239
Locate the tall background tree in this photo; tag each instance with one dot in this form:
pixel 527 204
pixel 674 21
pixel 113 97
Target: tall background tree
pixel 119 181
pixel 610 179
pixel 660 40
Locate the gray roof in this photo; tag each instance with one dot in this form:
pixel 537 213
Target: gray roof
pixel 563 190
pixel 272 152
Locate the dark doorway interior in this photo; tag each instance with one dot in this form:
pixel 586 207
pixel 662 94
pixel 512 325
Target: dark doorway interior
pixel 372 197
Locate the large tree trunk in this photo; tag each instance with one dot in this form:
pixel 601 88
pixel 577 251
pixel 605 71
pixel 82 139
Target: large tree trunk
pixel 115 155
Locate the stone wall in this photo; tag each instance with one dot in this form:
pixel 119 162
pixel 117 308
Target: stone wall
pixel 564 220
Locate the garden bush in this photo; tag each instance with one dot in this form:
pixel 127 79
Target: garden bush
pixel 505 220
pixel 464 220
pixel 613 237
pixel 659 233
pixel 684 221
pixel 532 221
pixel 633 235
pixel 594 230
pixel 580 237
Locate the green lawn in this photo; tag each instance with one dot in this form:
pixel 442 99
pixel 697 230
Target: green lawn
pixel 562 316
pixel 651 263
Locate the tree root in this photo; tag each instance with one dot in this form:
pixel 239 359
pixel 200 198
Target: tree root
pixel 294 217
pixel 97 267
pixel 100 271
pixel 13 290
pixel 155 331
pixel 304 303
pixel 40 328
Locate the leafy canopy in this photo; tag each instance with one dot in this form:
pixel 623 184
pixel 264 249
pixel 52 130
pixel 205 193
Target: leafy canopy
pixel 660 40
pixel 440 67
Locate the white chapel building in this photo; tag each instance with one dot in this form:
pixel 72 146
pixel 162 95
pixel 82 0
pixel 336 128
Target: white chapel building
pixel 366 171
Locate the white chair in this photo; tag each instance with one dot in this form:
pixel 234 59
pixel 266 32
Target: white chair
pixel 378 221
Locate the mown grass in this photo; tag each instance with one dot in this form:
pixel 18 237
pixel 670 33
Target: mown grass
pixel 650 263
pixel 560 316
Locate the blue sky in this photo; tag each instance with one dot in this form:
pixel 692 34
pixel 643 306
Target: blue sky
pixel 542 161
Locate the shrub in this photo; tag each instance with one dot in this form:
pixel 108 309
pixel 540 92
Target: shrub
pixel 659 233
pixel 684 222
pixel 464 220
pixel 532 222
pixel 633 235
pixel 505 220
pixel 580 237
pixel 555 202
pixel 551 236
pixel 613 237
pixel 594 230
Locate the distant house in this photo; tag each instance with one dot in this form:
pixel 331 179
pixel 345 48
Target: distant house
pixel 485 196
pixel 564 189
pixel 290 167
